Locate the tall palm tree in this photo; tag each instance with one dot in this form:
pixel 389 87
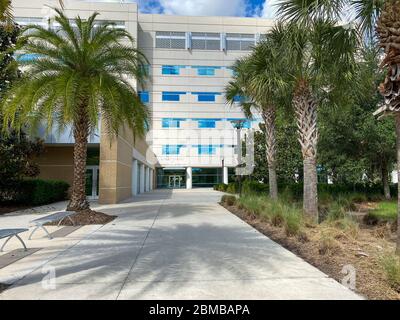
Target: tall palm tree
pixel 383 16
pixel 319 58
pixel 251 83
pixel 83 71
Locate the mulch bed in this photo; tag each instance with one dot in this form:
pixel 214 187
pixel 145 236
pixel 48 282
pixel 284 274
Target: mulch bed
pixel 11 208
pixel 86 217
pixel 370 278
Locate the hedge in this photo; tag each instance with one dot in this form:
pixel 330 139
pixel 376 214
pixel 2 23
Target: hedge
pixel 296 189
pixel 38 192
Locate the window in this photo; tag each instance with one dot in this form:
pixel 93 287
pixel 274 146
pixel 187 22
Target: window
pixel 207 149
pixel 144 96
pixel 206 41
pixel 246 123
pixel 240 41
pixel 205 71
pixel 206 96
pixel 171 123
pixel 171 70
pixel 171 149
pixel 207 123
pixel 238 99
pixel 170 40
pixel 23 57
pixel 171 96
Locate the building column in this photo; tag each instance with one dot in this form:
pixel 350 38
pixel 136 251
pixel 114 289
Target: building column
pixel 134 177
pixel 147 187
pixel 189 178
pixel 151 179
pixel 225 175
pixel 142 177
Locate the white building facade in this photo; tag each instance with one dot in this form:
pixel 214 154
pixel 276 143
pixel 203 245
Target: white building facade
pixel 192 140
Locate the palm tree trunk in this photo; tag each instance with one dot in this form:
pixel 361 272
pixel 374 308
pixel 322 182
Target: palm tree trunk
pixel 78 200
pixel 269 116
pixel 306 116
pixel 398 182
pixel 385 182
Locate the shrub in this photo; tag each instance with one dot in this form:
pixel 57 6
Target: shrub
pixel 292 221
pixel 251 187
pixel 328 244
pixel 220 187
pixel 39 192
pixel 228 200
pixel 232 188
pixel 391 266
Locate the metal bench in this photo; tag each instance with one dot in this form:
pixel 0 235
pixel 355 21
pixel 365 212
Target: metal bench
pixel 39 223
pixel 9 233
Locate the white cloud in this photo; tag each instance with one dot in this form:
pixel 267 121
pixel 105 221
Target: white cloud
pixel 269 9
pixel 204 7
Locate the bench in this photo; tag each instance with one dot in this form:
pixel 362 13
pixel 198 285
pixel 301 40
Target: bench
pixel 39 223
pixel 9 233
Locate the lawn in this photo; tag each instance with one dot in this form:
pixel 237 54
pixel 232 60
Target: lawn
pixel 385 211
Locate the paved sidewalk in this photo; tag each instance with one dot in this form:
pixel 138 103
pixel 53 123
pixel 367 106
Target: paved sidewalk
pixel 174 245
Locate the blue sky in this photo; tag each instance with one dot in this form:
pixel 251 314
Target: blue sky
pixel 243 8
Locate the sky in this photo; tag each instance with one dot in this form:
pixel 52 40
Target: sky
pixel 241 8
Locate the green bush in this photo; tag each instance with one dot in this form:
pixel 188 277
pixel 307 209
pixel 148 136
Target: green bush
pixel 39 192
pixel 228 200
pixel 293 220
pixel 232 188
pixel 221 187
pixel 391 265
pixel 250 187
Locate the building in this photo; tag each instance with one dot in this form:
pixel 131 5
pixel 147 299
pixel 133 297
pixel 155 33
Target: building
pixel 192 140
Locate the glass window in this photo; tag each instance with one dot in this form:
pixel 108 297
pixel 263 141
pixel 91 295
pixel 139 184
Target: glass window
pixel 171 96
pixel 205 70
pixel 206 177
pixel 171 123
pixel 246 123
pixel 206 96
pixel 203 149
pixel 171 70
pixel 171 149
pixel 144 96
pixel 207 123
pixel 170 40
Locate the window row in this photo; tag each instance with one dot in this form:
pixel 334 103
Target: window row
pixel 175 96
pixel 202 149
pixel 206 123
pixel 201 70
pixel 206 40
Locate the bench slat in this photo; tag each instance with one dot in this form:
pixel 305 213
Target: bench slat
pixel 4 233
pixel 53 217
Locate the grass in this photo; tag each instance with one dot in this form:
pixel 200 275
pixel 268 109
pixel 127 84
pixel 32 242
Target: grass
pixel 391 266
pixel 385 212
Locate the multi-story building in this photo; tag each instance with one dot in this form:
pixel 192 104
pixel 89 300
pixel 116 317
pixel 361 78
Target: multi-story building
pixel 192 139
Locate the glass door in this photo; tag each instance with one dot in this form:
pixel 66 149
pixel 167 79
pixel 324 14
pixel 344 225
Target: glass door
pixel 92 182
pixel 175 182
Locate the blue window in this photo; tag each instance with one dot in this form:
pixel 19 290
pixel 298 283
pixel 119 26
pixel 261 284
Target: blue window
pixel 171 149
pixel 171 70
pixel 171 123
pixel 171 96
pixel 207 148
pixel 207 123
pixel 205 71
pixel 144 96
pixel 246 124
pixel 238 99
pixel 206 96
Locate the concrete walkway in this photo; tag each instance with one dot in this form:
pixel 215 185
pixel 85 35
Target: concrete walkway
pixel 170 245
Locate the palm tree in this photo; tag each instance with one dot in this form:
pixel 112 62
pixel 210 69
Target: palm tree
pixel 383 16
pixel 83 71
pixel 256 92
pixel 319 58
